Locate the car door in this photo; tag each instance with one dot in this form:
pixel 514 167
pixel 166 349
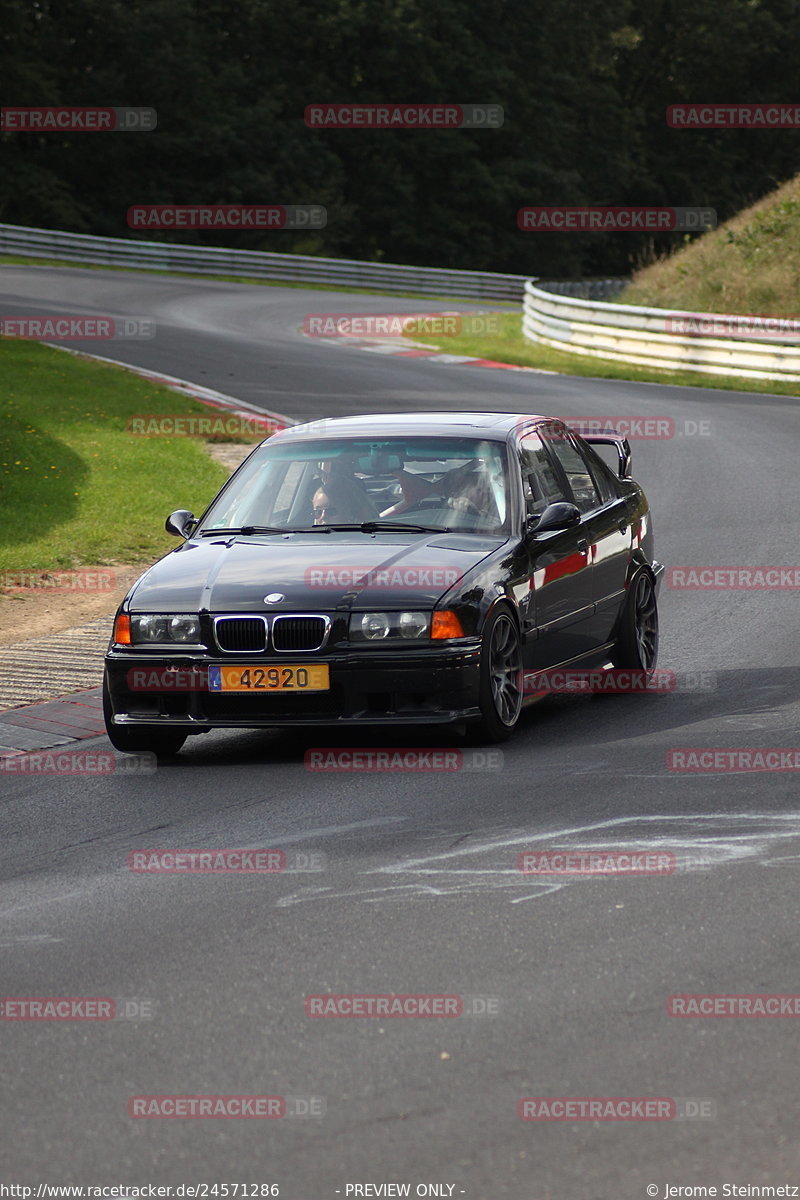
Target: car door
pixel 559 603
pixel 605 519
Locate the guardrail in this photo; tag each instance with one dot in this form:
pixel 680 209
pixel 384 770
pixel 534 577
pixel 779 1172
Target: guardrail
pixel 645 337
pixel 584 289
pixel 566 315
pixel 257 264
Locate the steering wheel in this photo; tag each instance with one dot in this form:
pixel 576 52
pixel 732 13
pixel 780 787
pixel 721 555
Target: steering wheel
pixel 463 504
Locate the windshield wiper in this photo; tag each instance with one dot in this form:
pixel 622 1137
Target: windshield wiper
pixel 375 527
pixel 363 527
pixel 372 526
pixel 245 529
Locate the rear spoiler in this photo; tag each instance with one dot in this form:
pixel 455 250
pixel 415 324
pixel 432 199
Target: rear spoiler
pixel 620 444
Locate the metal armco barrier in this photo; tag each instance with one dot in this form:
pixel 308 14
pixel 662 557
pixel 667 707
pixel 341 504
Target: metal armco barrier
pixel 641 336
pixel 584 289
pixel 257 264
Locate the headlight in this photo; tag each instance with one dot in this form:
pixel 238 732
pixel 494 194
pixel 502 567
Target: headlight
pixel 413 624
pixel 374 626
pixel 184 629
pixel 165 627
pixel 380 626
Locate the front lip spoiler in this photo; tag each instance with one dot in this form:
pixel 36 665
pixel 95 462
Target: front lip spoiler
pixel 446 717
pixel 658 573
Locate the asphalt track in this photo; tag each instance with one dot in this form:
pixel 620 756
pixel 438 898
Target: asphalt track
pixel 420 891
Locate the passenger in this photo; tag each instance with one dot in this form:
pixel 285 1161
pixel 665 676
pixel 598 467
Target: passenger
pixel 413 488
pixel 342 502
pixel 343 467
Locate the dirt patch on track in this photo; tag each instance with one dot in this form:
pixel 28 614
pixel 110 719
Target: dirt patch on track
pixel 36 611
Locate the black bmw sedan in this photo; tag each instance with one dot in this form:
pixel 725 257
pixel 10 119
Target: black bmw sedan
pixel 388 570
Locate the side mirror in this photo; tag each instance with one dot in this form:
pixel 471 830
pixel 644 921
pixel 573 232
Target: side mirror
pixel 555 516
pixel 180 523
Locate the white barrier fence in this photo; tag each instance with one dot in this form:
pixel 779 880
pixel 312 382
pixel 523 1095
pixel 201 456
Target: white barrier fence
pixel 659 337
pixel 648 337
pixel 257 264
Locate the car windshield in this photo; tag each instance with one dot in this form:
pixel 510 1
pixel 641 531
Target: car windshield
pixel 326 483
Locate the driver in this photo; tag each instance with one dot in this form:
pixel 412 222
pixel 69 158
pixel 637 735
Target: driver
pixel 469 489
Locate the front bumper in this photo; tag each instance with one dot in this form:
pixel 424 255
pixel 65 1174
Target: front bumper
pixel 432 686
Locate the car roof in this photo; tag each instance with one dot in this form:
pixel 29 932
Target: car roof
pixel 449 424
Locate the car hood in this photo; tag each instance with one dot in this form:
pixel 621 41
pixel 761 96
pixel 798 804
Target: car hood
pixel 311 572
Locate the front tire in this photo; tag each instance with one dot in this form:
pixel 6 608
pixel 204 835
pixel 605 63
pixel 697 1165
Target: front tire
pixel 500 688
pixel 132 739
pixel 637 642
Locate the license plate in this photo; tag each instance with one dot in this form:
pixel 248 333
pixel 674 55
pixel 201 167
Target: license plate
pixel 284 678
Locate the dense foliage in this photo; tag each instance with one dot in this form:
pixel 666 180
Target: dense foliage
pixel 584 86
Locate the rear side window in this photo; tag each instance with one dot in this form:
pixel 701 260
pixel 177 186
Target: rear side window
pixel 539 480
pixel 576 468
pixel 604 463
pixel 603 476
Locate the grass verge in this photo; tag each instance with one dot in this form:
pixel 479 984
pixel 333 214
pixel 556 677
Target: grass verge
pixel 77 488
pixel 751 264
pixel 508 345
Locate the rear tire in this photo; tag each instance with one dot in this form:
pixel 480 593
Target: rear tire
pixel 500 689
pixel 132 739
pixel 637 642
